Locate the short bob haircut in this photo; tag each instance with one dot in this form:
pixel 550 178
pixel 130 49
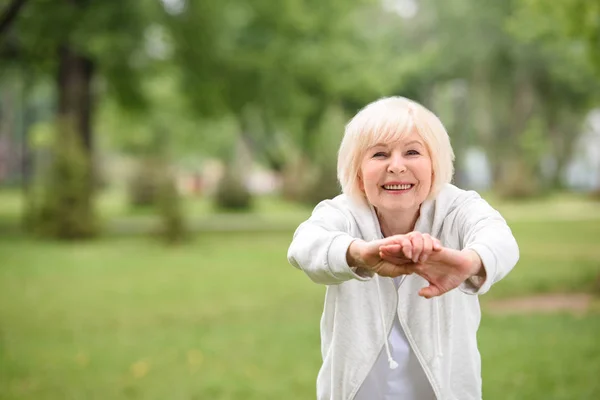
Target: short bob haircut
pixel 385 121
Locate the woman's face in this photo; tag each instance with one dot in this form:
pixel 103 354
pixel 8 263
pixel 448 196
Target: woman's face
pixel 397 177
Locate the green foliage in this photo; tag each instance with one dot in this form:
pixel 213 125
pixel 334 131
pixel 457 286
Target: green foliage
pixel 188 134
pixel 64 208
pixel 572 20
pixel 200 69
pixel 109 33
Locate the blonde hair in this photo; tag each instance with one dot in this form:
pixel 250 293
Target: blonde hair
pixel 385 121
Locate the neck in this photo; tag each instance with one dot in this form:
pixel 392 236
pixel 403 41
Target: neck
pixel 398 223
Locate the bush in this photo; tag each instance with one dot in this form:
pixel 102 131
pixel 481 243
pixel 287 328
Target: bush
pixel 62 207
pixel 326 186
pixel 232 194
pixel 173 229
pixel 518 181
pixel 144 186
pixel 297 176
pixel 308 183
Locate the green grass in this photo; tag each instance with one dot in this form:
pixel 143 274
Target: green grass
pixel 558 206
pixel 555 256
pixel 113 208
pixel 124 318
pixel 225 317
pixel 540 357
pixel 272 213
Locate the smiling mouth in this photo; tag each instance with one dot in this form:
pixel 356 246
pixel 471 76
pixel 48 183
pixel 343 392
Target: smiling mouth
pixel 398 188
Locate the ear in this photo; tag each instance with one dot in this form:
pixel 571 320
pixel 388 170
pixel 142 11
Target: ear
pixel 361 184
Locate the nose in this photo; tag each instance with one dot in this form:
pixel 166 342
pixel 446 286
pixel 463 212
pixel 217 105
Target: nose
pixel 396 164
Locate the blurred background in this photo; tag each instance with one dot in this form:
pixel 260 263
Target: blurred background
pixel 157 155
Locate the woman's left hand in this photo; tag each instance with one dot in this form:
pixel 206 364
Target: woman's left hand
pixel 445 269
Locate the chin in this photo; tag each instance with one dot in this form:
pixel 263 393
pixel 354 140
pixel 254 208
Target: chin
pixel 399 207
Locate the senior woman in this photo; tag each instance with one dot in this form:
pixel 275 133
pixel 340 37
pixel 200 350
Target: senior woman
pixel 404 254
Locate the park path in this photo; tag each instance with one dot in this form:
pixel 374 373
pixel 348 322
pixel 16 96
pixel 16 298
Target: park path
pixel 572 303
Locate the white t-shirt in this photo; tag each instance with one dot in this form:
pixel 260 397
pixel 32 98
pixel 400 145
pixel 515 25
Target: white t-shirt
pixel 407 382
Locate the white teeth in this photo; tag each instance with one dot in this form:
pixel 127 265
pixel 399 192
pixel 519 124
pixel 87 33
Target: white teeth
pixel 397 187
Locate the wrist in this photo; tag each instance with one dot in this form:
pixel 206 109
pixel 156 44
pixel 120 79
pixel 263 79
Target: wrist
pixel 475 265
pixel 353 255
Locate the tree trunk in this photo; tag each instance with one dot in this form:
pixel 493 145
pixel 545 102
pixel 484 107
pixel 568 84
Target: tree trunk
pixel 75 104
pixel 66 210
pixel 7 114
pixel 517 175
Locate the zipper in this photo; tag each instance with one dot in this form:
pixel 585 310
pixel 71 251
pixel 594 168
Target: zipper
pixel 409 337
pixel 414 348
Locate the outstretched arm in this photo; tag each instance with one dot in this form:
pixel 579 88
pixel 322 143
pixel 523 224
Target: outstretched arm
pixel 325 250
pixel 488 252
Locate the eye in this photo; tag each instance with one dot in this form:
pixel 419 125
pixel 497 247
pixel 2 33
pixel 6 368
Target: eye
pixel 412 153
pixel 379 154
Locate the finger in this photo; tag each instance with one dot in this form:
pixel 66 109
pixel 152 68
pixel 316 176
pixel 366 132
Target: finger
pixel 437 245
pixel 392 270
pixel 407 248
pixel 427 247
pixel 396 239
pixel 417 246
pixel 430 291
pixel 395 249
pixel 399 261
pixel 397 270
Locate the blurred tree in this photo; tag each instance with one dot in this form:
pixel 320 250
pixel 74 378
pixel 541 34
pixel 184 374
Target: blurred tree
pixel 268 75
pixel 173 228
pixel 567 35
pixel 512 85
pixel 572 20
pixel 263 62
pixel 75 41
pixel 62 209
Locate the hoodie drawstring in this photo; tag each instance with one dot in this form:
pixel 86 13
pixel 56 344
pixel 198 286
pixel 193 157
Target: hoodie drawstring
pixel 437 343
pixel 438 354
pixel 393 364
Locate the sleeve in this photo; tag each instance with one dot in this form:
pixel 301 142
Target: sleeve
pixel 483 230
pixel 320 244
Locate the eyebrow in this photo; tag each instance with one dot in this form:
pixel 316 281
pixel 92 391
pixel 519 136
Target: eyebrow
pixel 406 144
pixel 414 142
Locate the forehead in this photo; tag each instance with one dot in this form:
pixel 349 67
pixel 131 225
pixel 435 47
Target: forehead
pixel 407 136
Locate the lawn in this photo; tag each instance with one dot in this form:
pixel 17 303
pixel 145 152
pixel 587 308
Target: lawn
pixel 225 317
pixel 270 213
pixel 118 217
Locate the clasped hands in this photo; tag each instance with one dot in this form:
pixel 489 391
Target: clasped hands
pixel 420 253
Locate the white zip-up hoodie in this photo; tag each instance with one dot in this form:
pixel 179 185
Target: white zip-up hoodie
pixel 360 307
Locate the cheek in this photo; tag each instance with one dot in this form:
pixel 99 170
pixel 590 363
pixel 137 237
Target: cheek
pixel 426 169
pixel 425 173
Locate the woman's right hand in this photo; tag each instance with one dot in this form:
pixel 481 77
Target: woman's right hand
pixel 366 255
